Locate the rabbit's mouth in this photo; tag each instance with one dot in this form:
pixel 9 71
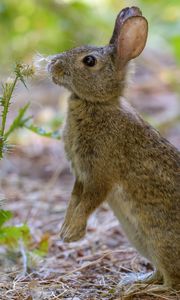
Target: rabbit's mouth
pixel 54 79
pixel 60 80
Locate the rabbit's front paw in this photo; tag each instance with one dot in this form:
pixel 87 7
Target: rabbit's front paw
pixel 73 231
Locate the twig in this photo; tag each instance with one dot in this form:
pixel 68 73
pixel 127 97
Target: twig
pixel 24 257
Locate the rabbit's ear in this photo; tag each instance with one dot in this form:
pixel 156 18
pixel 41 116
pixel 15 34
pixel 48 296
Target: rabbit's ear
pixel 121 18
pixel 131 38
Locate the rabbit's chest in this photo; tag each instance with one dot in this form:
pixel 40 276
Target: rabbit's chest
pixel 79 150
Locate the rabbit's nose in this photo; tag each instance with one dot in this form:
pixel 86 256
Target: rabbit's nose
pixel 56 65
pixel 53 60
pixel 57 57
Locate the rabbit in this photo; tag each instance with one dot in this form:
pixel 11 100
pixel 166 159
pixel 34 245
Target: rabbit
pixel 115 155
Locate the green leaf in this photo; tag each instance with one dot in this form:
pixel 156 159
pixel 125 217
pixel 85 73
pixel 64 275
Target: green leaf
pixel 42 132
pixel 19 75
pixel 43 246
pixel 18 121
pixel 10 235
pixel 5 215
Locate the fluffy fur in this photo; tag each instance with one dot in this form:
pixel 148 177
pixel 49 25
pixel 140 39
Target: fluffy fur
pixel 116 156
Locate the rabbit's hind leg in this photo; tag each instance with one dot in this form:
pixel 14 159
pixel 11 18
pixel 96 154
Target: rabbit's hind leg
pixel 172 281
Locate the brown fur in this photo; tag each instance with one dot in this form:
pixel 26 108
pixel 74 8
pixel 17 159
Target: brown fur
pixel 116 156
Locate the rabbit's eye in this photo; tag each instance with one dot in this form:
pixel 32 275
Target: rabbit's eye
pixel 89 60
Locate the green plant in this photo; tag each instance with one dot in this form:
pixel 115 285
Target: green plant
pixel 21 71
pixel 18 239
pixel 13 237
pixel 10 235
pixel 5 102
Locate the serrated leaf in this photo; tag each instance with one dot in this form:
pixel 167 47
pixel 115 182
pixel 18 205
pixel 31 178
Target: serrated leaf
pixel 5 215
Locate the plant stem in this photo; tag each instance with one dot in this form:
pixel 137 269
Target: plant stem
pixel 6 105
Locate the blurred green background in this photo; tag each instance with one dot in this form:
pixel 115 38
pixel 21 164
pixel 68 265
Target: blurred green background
pixel 51 26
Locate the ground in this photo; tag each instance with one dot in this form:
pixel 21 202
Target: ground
pixel 36 181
